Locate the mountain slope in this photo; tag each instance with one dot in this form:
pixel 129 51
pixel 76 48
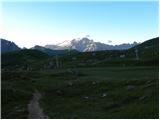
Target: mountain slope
pixel 148 44
pixel 147 50
pixel 53 52
pixel 8 46
pixel 23 59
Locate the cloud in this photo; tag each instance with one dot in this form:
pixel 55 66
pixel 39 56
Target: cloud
pixel 109 41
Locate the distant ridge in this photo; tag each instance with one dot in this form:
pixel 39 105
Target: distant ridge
pixel 8 46
pixel 53 52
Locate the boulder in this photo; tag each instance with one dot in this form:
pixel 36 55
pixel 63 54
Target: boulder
pixel 104 95
pixel 130 87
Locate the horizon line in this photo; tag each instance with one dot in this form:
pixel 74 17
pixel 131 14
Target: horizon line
pixel 76 39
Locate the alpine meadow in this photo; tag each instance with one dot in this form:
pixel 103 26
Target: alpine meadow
pixel 80 60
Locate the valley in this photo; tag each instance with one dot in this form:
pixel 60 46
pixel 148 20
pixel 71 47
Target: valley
pixel 69 59
pixel 108 92
pixel 77 85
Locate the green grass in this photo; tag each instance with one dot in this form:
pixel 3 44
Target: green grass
pixel 16 91
pixel 84 98
pixel 118 103
pixel 130 87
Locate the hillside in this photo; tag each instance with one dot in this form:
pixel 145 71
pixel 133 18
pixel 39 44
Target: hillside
pixel 23 59
pixel 53 52
pixel 148 49
pixel 8 46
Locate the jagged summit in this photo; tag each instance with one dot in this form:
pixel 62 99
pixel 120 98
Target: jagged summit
pixel 8 46
pixel 85 44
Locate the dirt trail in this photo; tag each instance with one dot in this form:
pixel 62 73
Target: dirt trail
pixel 35 112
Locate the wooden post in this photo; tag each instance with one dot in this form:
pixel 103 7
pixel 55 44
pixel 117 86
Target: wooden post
pixel 137 56
pixel 57 63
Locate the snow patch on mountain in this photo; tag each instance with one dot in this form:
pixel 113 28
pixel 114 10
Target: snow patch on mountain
pixel 86 45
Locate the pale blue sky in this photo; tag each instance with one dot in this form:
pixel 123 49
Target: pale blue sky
pixel 30 23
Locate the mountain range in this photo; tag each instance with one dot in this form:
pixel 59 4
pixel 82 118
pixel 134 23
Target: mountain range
pixel 146 53
pixel 87 45
pixel 82 45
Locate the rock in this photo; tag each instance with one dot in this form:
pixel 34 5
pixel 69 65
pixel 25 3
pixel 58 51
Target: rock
pixel 86 97
pixel 93 83
pixel 142 98
pixel 20 110
pixel 17 107
pixel 104 95
pixel 70 83
pixel 59 92
pixel 69 71
pixel 130 87
pixel 148 85
pixel 74 58
pixel 149 81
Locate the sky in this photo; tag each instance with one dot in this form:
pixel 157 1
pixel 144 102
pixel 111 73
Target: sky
pixel 51 22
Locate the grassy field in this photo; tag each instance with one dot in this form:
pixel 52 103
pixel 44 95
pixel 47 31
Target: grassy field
pixel 100 92
pixel 16 91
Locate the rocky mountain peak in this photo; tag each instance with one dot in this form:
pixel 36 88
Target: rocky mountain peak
pixel 8 46
pixel 85 44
